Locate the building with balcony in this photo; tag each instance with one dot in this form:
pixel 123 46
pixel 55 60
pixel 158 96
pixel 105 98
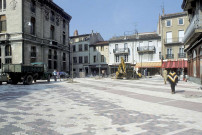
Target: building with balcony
pixel 140 50
pixel 171 29
pixel 193 39
pixel 99 58
pixel 80 52
pixel 27 34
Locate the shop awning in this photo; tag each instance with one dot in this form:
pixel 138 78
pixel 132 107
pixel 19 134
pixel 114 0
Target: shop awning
pixel 148 65
pixel 175 64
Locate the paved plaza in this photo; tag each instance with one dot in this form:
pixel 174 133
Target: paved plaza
pixel 104 106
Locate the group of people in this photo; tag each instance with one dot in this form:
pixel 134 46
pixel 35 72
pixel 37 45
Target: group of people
pixel 172 78
pixel 56 75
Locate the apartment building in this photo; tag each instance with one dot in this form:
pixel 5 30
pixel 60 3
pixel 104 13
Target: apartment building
pixel 193 39
pixel 171 30
pixel 140 50
pixel 99 58
pixel 34 31
pixel 80 56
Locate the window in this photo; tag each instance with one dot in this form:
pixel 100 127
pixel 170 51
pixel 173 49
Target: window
pixel 80 69
pixel 181 35
pixel 55 55
pixel 64 57
pixel 117 58
pixel 94 48
pixel 181 21
pixel 33 6
pixel 64 66
pixel 8 60
pixel 168 23
pixel 64 39
pixel 169 50
pixel 32 27
pixel 75 60
pixel 64 24
pixel 8 50
pixel 55 64
pixel 80 59
pixel 181 50
pixel 3 24
pixel 125 46
pixel 116 46
pixel 102 48
pixel 160 55
pixel 126 58
pixel 33 51
pixel 86 47
pixel 0 53
pixel 2 4
pixel 86 59
pixel 74 48
pixel 52 16
pixel 94 58
pixel 32 60
pixel 80 47
pixel 49 54
pixel 102 58
pixel 169 37
pixel 0 63
pixel 52 32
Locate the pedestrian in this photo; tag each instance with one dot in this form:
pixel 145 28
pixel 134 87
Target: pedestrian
pixel 165 73
pixel 55 75
pixel 58 75
pixel 173 79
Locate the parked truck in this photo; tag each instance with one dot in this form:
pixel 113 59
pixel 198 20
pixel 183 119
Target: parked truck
pixel 15 73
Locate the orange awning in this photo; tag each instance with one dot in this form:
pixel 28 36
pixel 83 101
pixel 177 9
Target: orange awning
pixel 148 65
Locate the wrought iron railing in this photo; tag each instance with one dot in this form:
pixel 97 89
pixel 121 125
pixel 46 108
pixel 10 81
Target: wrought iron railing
pixel 182 55
pixel 121 50
pixel 146 49
pixel 169 56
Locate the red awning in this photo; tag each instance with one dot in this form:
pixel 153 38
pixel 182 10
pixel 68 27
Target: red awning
pixel 175 64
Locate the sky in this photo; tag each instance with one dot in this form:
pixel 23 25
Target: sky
pixel 116 17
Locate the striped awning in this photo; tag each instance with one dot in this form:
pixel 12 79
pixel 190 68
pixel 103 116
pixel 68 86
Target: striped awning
pixel 148 65
pixel 175 64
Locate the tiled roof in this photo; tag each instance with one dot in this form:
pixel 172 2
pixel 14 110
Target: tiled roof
pixel 101 43
pixel 174 15
pixel 141 36
pixel 83 35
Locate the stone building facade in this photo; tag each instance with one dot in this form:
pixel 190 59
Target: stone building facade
pixel 140 50
pixel 99 58
pixel 34 31
pixel 171 30
pixel 80 56
pixel 193 39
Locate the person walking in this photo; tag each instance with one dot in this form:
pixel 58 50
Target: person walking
pixel 58 75
pixel 173 79
pixel 165 75
pixel 55 75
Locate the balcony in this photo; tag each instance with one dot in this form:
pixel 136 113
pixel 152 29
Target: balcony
pixel 144 49
pixel 173 40
pixel 193 30
pixel 181 55
pixel 169 56
pixel 121 51
pixel 33 54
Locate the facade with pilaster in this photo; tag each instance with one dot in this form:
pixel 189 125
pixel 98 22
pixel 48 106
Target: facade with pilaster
pixel 193 39
pixel 34 31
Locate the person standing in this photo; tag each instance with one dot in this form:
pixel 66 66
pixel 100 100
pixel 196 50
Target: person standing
pixel 165 75
pixel 55 75
pixel 173 79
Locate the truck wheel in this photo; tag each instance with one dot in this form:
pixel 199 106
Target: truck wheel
pixel 29 80
pixel 48 79
pixel 14 82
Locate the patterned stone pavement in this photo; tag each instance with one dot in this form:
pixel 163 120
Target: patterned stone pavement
pixel 101 107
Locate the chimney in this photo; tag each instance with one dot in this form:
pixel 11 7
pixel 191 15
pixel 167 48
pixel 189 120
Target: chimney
pixel 76 33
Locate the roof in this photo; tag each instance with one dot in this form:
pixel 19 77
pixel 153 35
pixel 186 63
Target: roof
pixel 54 6
pixel 102 43
pixel 83 35
pixel 140 36
pixel 173 15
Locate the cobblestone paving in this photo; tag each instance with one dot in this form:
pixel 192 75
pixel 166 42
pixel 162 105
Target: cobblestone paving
pixel 101 107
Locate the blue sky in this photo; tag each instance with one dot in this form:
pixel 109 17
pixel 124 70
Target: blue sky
pixel 116 17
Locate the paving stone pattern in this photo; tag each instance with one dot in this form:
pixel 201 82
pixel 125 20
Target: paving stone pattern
pixel 101 107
